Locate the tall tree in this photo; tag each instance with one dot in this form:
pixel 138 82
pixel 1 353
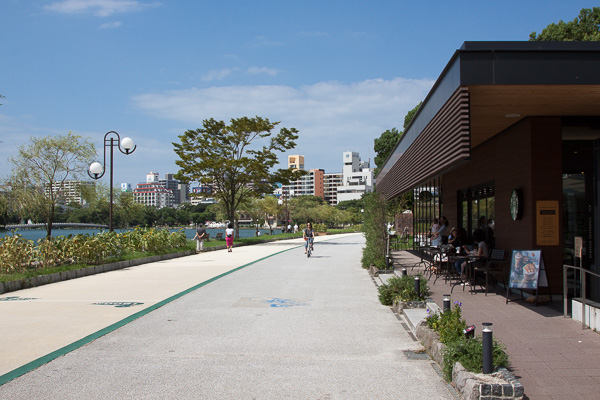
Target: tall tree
pixel 586 27
pixel 41 168
pixel 385 144
pixel 229 159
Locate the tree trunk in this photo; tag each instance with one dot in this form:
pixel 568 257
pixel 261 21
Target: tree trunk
pixel 49 222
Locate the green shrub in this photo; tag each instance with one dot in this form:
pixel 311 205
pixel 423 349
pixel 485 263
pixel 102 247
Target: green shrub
pixel 469 352
pixel 448 324
pixel 402 289
pixel 16 253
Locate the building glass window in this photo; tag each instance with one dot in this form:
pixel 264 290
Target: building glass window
pixel 474 203
pixel 427 206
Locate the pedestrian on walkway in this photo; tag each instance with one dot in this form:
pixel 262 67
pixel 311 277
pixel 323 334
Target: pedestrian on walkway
pixel 200 236
pixel 229 233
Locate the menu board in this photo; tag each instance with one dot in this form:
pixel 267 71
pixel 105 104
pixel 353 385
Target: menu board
pixel 547 224
pixel 527 270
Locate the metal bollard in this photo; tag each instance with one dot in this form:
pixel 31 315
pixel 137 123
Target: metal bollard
pixel 404 272
pixel 418 286
pixel 488 343
pixel 446 304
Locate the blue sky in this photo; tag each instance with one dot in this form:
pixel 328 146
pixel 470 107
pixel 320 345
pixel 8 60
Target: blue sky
pixel 341 72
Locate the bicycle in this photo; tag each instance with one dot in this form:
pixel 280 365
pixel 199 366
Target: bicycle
pixel 309 247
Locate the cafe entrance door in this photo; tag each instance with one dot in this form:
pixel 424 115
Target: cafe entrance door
pixel 580 206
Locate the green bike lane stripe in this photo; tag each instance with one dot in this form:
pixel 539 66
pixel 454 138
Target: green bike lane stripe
pixel 30 366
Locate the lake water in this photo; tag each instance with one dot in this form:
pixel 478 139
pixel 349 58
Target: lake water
pixel 36 234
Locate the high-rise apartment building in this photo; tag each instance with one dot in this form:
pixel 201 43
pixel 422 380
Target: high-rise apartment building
pixel 332 181
pixel 156 192
pixel 357 177
pixel 70 191
pixel 312 183
pixel 296 162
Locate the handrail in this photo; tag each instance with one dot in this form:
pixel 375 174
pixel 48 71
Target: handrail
pixel 582 282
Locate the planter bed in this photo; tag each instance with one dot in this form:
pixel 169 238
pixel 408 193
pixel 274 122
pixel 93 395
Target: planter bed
pixel 499 385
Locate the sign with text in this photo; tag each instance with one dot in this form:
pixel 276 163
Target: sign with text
pixel 547 223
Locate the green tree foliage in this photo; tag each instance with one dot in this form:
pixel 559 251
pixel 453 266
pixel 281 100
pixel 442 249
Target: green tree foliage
pixel 304 208
pixel 374 227
pixel 43 164
pixel 385 144
pixel 229 159
pixel 410 115
pixel 586 27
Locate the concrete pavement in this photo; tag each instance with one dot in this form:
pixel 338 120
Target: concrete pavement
pixel 279 326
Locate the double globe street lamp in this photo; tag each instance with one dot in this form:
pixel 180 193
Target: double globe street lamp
pixel 97 170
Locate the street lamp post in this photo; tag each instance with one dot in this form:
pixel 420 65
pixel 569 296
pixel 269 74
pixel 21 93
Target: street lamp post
pixel 97 170
pixel 287 214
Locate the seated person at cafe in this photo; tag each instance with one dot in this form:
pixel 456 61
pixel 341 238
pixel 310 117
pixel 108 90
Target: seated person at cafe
pixel 456 240
pixel 437 239
pixel 481 251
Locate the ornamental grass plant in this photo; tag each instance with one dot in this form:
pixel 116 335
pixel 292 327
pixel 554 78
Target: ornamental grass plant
pixel 403 289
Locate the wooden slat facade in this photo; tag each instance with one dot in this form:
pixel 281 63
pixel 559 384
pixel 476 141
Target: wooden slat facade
pixel 443 143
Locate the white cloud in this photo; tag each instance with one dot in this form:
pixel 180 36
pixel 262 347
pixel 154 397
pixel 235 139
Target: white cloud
pixel 217 75
pixel 262 70
pixel 111 25
pixel 332 117
pixel 98 8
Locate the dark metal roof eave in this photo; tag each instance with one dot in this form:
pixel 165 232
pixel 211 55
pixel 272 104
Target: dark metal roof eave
pixel 425 100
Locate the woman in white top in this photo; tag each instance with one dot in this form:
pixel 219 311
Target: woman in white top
pixel 229 234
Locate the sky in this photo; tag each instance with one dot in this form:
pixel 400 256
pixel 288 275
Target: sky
pixel 341 72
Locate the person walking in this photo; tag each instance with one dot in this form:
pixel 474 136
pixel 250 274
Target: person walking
pixel 229 234
pixel 200 235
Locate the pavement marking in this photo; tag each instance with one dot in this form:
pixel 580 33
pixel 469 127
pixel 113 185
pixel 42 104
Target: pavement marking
pixel 270 302
pixel 119 304
pixel 30 366
pixel 17 298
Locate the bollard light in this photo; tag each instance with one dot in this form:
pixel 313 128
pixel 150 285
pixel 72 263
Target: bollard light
pixel 446 303
pixel 404 271
pixel 418 286
pixel 488 344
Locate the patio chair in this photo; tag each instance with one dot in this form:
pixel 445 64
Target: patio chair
pixel 495 267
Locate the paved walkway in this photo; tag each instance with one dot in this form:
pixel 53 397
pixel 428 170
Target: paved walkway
pixel 551 356
pixel 273 325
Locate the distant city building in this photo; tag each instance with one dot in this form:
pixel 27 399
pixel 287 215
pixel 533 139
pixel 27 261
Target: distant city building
pixel 156 192
pixel 181 191
pixel 311 184
pixel 201 195
pixel 296 162
pixel 70 191
pixel 153 195
pixel 332 181
pixel 357 178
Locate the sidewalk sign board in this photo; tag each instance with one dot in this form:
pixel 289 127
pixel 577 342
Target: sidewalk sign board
pixel 527 272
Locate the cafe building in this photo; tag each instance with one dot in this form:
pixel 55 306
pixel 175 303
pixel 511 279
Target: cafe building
pixel 510 132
